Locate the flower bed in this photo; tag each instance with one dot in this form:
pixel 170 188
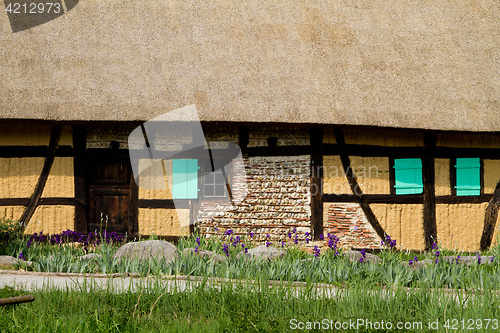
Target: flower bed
pixel 319 261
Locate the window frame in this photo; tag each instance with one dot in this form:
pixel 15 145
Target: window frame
pixel 206 167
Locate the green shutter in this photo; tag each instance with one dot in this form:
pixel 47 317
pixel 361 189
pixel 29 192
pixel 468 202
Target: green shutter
pixel 408 174
pixel 192 179
pixel 185 179
pixel 468 176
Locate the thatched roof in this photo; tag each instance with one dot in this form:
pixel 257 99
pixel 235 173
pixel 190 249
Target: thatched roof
pixel 392 63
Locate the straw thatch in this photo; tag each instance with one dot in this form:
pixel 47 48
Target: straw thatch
pixel 396 63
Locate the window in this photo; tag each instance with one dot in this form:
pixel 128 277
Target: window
pixel 408 176
pixel 468 171
pixel 185 179
pixel 214 184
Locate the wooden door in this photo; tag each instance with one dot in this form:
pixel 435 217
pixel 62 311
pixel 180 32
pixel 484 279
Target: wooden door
pixel 109 194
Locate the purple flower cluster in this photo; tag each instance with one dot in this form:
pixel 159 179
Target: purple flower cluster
pixel 229 232
pixel 237 239
pixel 437 253
pixel 389 242
pixel 363 253
pixel 333 242
pixel 478 256
pixel 21 256
pixel 415 259
pixel 225 248
pixel 317 251
pixel 69 236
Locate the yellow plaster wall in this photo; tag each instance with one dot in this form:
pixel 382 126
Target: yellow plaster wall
pixel 329 136
pixel 21 134
pixel 334 180
pixel 464 221
pixel 52 219
pixel 19 176
pixel 491 175
pixel 60 182
pixel 148 184
pixel 164 222
pixel 372 174
pixel 383 137
pixel 11 212
pixel 403 222
pixel 442 176
pixel 66 138
pixel 468 140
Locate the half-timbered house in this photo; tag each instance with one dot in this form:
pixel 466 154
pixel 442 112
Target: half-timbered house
pixel 359 118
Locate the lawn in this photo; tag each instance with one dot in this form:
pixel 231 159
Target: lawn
pixel 440 297
pixel 247 310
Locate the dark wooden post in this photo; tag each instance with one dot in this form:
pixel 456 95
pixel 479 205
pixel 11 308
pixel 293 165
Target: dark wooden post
pixel 243 137
pixel 47 165
pixel 316 139
pixel 428 179
pixel 79 164
pixel 490 219
pixel 353 183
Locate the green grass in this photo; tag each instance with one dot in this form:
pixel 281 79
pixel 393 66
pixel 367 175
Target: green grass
pixel 242 309
pixel 246 309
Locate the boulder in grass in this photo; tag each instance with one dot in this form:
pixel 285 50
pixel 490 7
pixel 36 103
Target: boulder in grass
pixel 211 256
pixel 356 256
pixel 262 252
pixel 11 261
pixel 418 264
pixel 7 260
pixel 150 249
pixel 467 260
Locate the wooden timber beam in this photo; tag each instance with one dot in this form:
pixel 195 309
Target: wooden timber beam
pixel 47 165
pixel 490 219
pixel 428 175
pixel 316 140
pixel 411 152
pixel 80 182
pixel 353 183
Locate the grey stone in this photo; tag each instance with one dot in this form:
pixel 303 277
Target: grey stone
pixel 262 252
pixel 90 256
pixel 7 260
pixel 356 256
pixel 419 264
pixel 467 260
pixel 211 256
pixel 150 249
